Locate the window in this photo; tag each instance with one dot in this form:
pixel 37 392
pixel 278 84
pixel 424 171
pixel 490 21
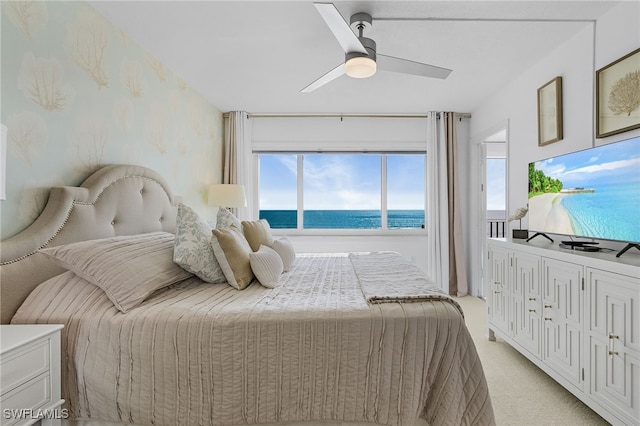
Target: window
pixel 496 188
pixel 406 190
pixel 342 190
pixel 496 198
pixel 278 189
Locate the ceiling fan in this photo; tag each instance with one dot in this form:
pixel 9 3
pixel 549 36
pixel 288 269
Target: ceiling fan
pixel 361 59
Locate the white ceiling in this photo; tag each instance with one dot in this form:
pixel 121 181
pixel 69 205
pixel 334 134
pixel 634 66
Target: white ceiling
pixel 256 56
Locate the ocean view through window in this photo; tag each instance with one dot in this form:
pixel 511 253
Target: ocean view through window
pixel 342 191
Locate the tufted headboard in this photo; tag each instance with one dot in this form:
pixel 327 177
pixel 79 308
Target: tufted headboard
pixel 115 200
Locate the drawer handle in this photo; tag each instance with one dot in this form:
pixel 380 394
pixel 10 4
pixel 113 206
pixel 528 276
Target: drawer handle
pixel 532 310
pixel 532 298
pixel 613 336
pixel 547 319
pixel 548 306
pixel 613 352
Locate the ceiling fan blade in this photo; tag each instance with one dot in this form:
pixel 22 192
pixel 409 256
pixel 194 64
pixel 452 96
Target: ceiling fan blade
pixel 389 63
pixel 340 28
pixel 328 77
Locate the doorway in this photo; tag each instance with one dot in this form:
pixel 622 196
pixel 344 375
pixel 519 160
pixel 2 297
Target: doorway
pixel 491 197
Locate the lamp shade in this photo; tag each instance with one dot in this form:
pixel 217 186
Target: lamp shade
pixel 360 67
pixel 227 195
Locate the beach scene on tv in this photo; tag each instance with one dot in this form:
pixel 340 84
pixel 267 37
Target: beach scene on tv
pixel 594 193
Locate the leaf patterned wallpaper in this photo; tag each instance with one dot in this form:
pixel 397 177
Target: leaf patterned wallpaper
pixel 77 94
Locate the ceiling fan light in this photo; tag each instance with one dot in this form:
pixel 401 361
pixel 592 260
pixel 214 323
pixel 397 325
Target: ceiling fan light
pixel 360 67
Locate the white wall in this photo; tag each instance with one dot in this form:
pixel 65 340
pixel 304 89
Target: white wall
pixel 598 44
pixel 347 133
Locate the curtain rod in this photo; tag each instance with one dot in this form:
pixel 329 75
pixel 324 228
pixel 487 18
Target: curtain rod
pixel 341 116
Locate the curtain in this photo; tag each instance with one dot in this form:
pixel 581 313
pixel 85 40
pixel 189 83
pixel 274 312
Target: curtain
pixel 457 259
pixel 437 205
pixel 237 157
pixel 446 256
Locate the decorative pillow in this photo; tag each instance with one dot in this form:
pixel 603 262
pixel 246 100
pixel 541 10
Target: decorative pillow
pixel 128 268
pixel 192 247
pixel 266 264
pixel 225 219
pixel 232 251
pixel 286 251
pixel 257 233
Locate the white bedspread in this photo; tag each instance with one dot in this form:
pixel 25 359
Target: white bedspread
pixel 311 349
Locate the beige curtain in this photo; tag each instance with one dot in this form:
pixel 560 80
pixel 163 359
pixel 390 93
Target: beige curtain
pixel 446 255
pixel 232 132
pixel 237 156
pixel 457 259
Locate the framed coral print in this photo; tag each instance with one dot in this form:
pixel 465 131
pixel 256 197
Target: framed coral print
pixel 618 96
pixel 550 112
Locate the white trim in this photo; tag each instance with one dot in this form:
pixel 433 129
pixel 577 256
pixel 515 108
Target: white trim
pixel 328 146
pixel 384 205
pixel 300 188
pixel 350 232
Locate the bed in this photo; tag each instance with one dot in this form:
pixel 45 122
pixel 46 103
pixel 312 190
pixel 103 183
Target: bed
pixel 344 338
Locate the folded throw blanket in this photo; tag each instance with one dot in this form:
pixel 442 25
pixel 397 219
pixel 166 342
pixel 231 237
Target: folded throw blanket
pixel 387 277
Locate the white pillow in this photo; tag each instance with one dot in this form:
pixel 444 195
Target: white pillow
pixel 192 247
pixel 286 251
pixel 225 219
pixel 266 265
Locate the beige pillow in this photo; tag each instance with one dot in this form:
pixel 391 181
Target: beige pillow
pixel 232 251
pixel 286 251
pixel 257 233
pixel 127 268
pixel 266 264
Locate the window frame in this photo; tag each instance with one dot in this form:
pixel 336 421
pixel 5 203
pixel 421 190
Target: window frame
pixel 300 230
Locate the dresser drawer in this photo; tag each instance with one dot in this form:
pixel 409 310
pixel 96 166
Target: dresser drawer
pixel 30 374
pixel 34 394
pixel 23 364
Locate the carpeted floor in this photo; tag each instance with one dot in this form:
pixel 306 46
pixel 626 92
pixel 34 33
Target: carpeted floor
pixel 521 393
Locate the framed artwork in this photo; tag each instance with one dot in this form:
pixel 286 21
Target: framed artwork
pixel 550 112
pixel 618 96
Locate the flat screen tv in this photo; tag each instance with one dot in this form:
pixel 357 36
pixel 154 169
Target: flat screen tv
pixel 593 193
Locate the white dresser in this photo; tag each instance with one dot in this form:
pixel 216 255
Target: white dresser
pixel 575 315
pixel 30 374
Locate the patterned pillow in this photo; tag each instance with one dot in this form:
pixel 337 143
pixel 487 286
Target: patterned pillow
pixel 192 247
pixel 232 251
pixel 257 233
pixel 225 219
pixel 266 264
pixel 127 268
pixel 286 251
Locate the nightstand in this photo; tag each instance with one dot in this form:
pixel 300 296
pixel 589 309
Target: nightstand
pixel 30 374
